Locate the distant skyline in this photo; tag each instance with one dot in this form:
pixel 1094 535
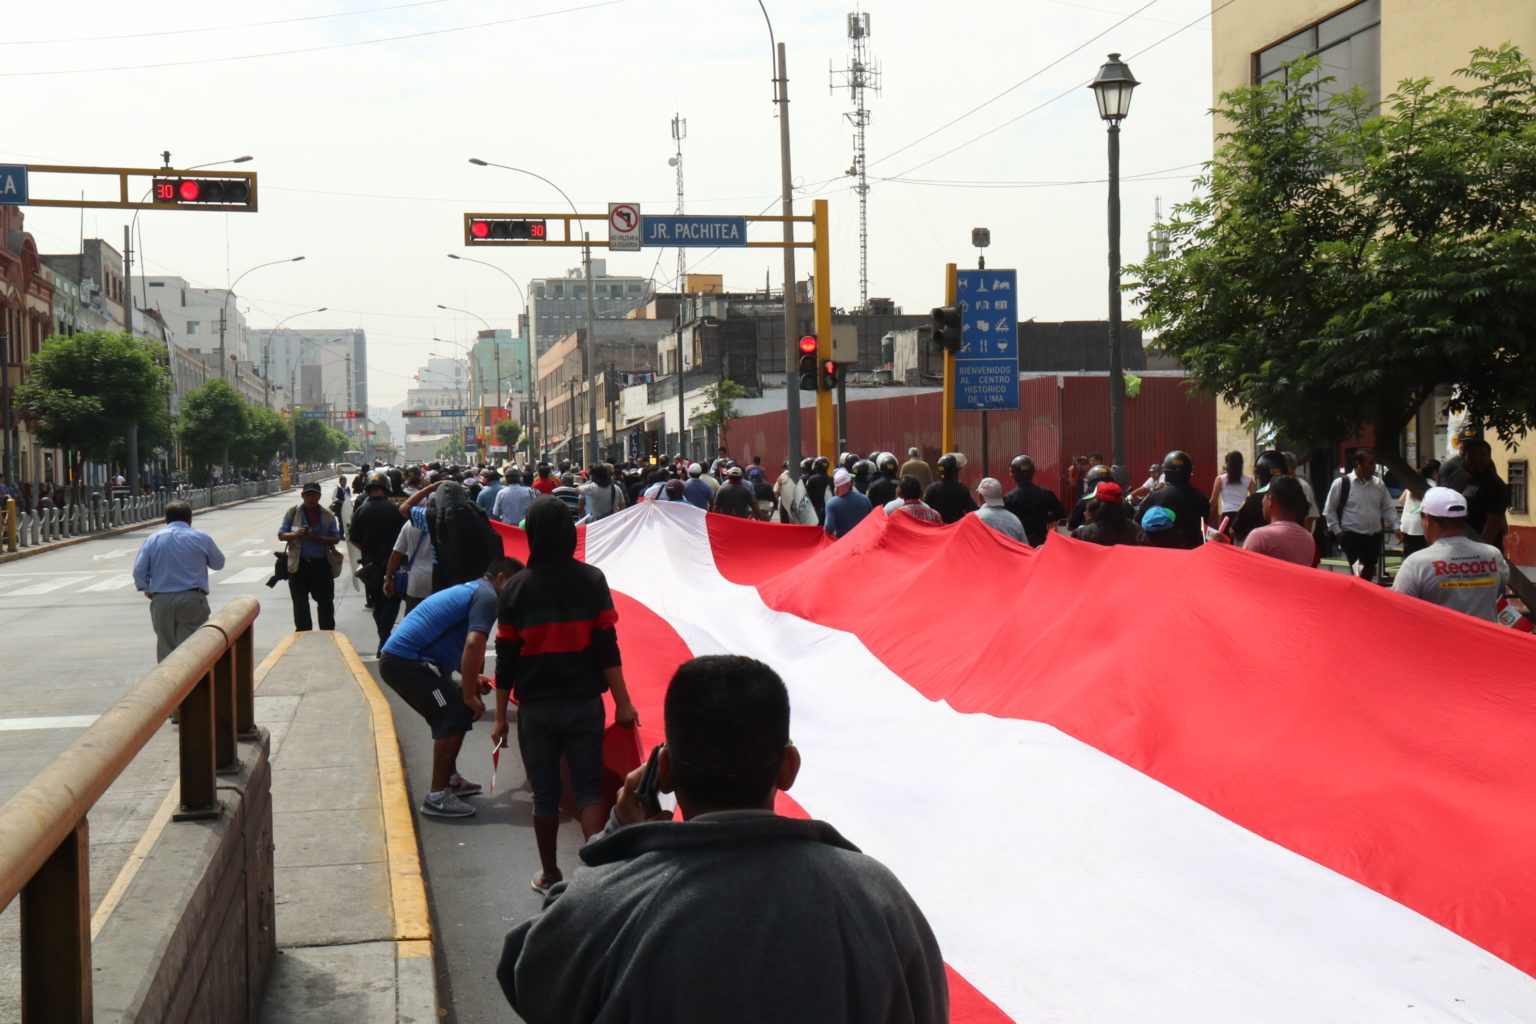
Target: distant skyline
pixel 362 117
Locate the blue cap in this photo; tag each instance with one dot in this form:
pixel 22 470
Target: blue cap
pixel 1157 519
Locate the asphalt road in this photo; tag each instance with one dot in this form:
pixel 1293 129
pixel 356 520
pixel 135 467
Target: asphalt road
pixel 77 636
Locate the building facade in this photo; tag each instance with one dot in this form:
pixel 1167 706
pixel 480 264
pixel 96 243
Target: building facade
pixel 558 305
pixel 1376 44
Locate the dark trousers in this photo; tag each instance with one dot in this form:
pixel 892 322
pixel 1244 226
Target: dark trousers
pixel 1364 548
pixel 385 609
pixel 313 580
pixel 1413 542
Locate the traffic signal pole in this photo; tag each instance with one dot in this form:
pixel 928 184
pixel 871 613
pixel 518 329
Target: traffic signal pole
pixel 826 423
pixel 947 424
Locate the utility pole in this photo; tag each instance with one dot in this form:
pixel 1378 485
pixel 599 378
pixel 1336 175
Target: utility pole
pixel 791 325
pixel 133 428
pixel 679 132
pixel 9 462
pixel 586 355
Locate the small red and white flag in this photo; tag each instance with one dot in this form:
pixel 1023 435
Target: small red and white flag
pixel 1129 784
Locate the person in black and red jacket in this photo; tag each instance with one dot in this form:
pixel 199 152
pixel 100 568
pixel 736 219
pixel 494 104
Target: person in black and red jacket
pixel 556 652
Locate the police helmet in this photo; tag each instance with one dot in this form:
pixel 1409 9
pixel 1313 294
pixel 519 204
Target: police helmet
pixel 807 465
pixel 822 464
pixel 862 468
pixel 1268 465
pixel 378 479
pixel 1023 468
pixel 1097 475
pixel 1178 467
pixel 950 464
pixel 886 463
pixel 847 460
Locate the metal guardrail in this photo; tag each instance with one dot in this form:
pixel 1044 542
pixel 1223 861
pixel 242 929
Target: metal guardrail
pixel 20 529
pixel 44 846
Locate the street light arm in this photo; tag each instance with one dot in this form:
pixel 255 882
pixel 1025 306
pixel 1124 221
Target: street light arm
pixel 477 316
pixel 503 273
pixel 506 167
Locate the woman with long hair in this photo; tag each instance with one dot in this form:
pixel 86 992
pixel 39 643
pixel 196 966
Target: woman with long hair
pixel 1229 491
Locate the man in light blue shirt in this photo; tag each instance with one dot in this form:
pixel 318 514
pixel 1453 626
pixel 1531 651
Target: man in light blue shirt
pixel 511 505
pixel 172 570
pixel 486 499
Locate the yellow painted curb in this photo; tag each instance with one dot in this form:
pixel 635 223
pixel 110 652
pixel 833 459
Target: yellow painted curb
pixel 408 893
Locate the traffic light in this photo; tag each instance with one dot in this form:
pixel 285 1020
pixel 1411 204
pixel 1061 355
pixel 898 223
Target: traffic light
pixel 491 230
pixel 830 372
pixel 946 327
pixel 808 363
pixel 202 191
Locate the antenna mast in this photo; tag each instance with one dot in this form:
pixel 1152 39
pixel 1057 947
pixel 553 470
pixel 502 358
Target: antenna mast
pixel 680 132
pixel 862 73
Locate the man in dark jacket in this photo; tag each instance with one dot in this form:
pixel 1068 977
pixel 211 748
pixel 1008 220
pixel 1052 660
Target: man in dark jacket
pixel 375 525
pixel 706 919
pixel 947 495
pixel 1037 507
pixel 556 653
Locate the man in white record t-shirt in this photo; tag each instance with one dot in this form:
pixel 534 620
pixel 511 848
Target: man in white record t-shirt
pixel 1454 570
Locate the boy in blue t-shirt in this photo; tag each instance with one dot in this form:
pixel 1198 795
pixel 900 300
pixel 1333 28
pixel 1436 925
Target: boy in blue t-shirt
pixel 447 631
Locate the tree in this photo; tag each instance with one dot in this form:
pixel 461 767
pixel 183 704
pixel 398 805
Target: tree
pixel 318 442
pixel 84 391
pixel 719 406
pixel 509 432
pixel 266 434
pixel 213 420
pixel 1344 262
pixel 452 448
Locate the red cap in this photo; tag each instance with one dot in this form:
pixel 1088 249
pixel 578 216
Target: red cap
pixel 1108 491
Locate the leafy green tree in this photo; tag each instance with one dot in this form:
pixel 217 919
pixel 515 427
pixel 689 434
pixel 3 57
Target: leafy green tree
pixel 213 420
pixel 83 392
pixel 720 406
pixel 452 448
pixel 509 432
pixel 1343 262
pixel 266 434
pixel 320 443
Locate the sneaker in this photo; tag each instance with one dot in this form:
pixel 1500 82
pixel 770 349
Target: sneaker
pixel 460 786
pixel 446 806
pixel 542 883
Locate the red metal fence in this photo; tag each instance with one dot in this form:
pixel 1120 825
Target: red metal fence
pixel 1058 417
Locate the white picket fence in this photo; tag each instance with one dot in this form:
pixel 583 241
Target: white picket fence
pixel 98 514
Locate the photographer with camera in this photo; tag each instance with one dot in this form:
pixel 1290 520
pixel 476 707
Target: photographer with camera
pixel 313 559
pixel 733 913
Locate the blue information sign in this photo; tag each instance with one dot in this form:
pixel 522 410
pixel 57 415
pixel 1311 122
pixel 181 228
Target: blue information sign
pixel 987 365
pixel 470 444
pixel 13 184
pixel 712 232
pixel 312 414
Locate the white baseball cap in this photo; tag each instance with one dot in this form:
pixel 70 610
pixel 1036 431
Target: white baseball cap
pixel 1444 503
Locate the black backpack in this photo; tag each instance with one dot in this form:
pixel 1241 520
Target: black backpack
pixel 463 552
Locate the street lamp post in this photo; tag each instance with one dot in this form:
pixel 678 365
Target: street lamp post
pixel 266 352
pixel 587 342
pixel 224 308
pixel 1112 88
pixel 532 383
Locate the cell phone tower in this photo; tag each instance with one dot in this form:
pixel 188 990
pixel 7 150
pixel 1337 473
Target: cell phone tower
pixel 861 76
pixel 680 132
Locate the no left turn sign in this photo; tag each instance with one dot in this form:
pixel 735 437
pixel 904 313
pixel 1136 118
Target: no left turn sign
pixel 624 227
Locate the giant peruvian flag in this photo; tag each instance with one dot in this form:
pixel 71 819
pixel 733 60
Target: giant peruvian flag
pixel 1130 784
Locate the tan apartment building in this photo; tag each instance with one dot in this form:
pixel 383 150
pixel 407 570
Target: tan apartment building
pixel 1376 44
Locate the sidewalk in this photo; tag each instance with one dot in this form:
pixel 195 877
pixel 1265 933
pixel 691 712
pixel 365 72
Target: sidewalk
pixel 353 928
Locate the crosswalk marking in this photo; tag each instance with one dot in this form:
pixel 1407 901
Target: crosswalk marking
pixel 114 553
pixel 47 586
pixel 252 575
pixel 257 553
pixel 111 583
pixel 55 722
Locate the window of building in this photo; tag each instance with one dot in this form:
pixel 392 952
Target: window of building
pixel 194 327
pixel 1348 48
pixel 1517 477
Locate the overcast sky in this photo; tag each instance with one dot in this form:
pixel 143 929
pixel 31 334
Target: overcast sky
pixel 362 116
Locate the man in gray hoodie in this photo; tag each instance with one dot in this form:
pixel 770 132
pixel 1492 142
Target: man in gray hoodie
pixel 733 913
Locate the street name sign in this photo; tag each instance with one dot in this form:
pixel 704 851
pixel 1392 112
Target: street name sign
pixel 13 184
pixel 687 230
pixel 312 414
pixel 987 365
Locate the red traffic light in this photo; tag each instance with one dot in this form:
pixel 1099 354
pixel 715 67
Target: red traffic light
pixel 189 190
pixel 808 344
pixel 506 229
pixel 480 228
pixel 221 191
